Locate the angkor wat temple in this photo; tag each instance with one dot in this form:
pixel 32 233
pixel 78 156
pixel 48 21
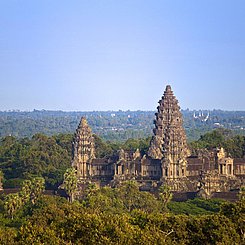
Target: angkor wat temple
pixel 168 160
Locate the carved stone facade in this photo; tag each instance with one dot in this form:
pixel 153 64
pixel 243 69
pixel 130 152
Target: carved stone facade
pixel 217 172
pixel 169 141
pixel 83 150
pixel 167 161
pixel 224 163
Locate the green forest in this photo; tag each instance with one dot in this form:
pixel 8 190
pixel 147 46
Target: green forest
pixel 122 215
pixel 115 125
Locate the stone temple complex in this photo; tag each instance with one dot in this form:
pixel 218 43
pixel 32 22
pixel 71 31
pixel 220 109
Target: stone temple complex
pixel 167 162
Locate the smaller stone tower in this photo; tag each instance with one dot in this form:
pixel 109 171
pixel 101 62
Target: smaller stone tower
pixel 83 150
pixel 224 163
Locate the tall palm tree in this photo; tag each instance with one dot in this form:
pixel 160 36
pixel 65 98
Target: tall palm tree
pixel 37 188
pixel 70 183
pixel 26 190
pixel 165 196
pixel 32 189
pixel 1 178
pixel 12 203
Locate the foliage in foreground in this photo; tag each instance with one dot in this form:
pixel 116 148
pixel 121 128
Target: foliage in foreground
pixel 30 192
pixel 122 215
pixel 53 220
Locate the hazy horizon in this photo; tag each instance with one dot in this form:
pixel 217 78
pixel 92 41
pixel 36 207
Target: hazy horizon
pixel 120 55
pixel 119 110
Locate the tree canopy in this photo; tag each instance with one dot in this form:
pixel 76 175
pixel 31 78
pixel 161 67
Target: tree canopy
pixel 121 216
pixel 233 144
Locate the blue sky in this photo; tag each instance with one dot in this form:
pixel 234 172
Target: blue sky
pixel 111 55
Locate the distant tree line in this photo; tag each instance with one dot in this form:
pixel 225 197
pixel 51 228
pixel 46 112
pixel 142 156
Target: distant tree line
pixel 233 144
pixel 115 125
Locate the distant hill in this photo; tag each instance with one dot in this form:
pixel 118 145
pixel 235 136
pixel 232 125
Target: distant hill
pixel 114 125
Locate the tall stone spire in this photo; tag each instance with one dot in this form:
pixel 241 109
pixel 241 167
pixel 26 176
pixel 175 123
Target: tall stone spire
pixel 169 141
pixel 83 149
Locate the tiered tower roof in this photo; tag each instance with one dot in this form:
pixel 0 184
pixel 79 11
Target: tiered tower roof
pixel 83 148
pixel 169 140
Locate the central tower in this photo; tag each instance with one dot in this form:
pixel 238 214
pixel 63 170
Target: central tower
pixel 169 141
